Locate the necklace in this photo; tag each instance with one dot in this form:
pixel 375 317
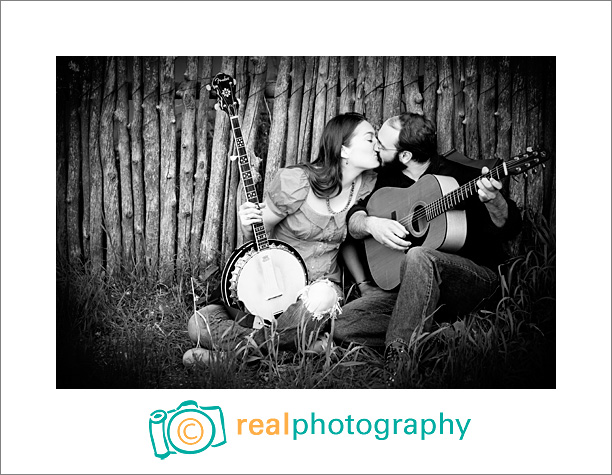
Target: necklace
pixel 347 204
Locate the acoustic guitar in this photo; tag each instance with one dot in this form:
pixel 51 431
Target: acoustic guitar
pixel 263 276
pixel 426 211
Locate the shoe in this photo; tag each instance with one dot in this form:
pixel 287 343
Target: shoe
pixel 201 356
pixel 396 359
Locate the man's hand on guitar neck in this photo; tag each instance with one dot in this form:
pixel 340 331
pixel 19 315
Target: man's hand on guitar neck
pixel 488 193
pixel 388 232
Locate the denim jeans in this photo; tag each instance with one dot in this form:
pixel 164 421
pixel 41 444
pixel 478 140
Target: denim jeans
pixel 430 278
pixel 222 328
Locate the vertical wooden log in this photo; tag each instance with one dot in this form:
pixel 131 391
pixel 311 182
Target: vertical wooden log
pixel 295 108
pixel 430 87
pixel 549 119
pixel 138 187
pixel 150 135
pixel 95 169
pixel 232 176
pixel 486 107
pixel 504 104
pixel 413 97
pixel 112 218
pixel 445 111
pixel 470 91
pixel 392 96
pixel 331 104
pixel 459 112
pixel 167 119
pixel 278 128
pixel 249 128
pixel 347 84
pixel 187 91
pixel 127 207
pixel 519 134
pixel 84 111
pixel 535 180
pixel 201 173
pixel 360 85
pixel 61 173
pixel 374 90
pixel 318 120
pixel 74 167
pixel 211 243
pixel 304 147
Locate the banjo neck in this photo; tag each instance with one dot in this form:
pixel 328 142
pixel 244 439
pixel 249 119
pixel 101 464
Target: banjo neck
pixel 246 176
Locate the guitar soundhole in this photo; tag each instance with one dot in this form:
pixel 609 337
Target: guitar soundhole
pixel 418 222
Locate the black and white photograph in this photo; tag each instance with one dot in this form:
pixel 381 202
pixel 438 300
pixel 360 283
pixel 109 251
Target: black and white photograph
pixel 306 222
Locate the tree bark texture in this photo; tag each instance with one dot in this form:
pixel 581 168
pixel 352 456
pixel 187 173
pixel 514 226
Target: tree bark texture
pixel 504 104
pixel 535 178
pixel 187 91
pixel 444 114
pixel 150 134
pixel 318 121
pixel 74 172
pixel 360 85
pixel 310 79
pixel 373 90
pixel 459 104
pixel 125 166
pixel 470 91
pixel 167 119
pixel 548 118
pixel 295 108
pixel 430 87
pixel 486 107
pixel 95 169
pixel 202 164
pixel 278 130
pixel 347 84
pixel 331 104
pixel 392 96
pixel 413 97
pixel 84 114
pixel 138 187
pixel 112 218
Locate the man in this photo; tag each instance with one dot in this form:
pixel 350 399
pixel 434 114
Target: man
pixel 429 278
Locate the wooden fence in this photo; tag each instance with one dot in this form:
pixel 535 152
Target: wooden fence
pixel 143 178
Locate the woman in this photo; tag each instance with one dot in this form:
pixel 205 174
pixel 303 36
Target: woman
pixel 305 206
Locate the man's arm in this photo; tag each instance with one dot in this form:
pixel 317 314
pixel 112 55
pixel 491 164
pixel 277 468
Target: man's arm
pixel 496 204
pixel 386 231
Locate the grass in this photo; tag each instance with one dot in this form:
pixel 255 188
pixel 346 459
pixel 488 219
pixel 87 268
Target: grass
pixel 130 332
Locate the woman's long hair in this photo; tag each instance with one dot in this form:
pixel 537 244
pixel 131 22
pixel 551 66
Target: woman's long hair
pixel 325 172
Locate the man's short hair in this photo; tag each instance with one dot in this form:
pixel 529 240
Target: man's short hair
pixel 417 135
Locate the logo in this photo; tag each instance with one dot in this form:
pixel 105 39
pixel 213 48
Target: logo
pixel 188 429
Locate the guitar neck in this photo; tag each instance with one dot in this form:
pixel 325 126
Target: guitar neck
pixel 246 177
pixel 458 195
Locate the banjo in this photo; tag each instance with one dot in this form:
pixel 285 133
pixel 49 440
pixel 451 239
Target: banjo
pixel 264 276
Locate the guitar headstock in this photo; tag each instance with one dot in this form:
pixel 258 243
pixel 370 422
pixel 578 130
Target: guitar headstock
pixel 529 159
pixel 224 87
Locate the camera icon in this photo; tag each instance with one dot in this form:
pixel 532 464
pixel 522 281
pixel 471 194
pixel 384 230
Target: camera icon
pixel 188 429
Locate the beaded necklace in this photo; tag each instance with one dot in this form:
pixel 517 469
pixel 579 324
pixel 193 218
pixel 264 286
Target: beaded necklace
pixel 347 204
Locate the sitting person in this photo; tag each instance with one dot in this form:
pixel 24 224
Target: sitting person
pixel 429 277
pixel 305 207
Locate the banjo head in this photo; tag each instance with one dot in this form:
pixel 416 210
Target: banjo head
pixel 251 284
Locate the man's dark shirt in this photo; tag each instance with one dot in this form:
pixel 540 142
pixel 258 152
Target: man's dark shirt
pixel 483 243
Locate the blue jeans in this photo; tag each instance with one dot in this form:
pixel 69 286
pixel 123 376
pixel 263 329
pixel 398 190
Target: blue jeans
pixel 430 278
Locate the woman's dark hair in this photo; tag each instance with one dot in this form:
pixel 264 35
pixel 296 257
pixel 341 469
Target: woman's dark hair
pixel 417 135
pixel 325 172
